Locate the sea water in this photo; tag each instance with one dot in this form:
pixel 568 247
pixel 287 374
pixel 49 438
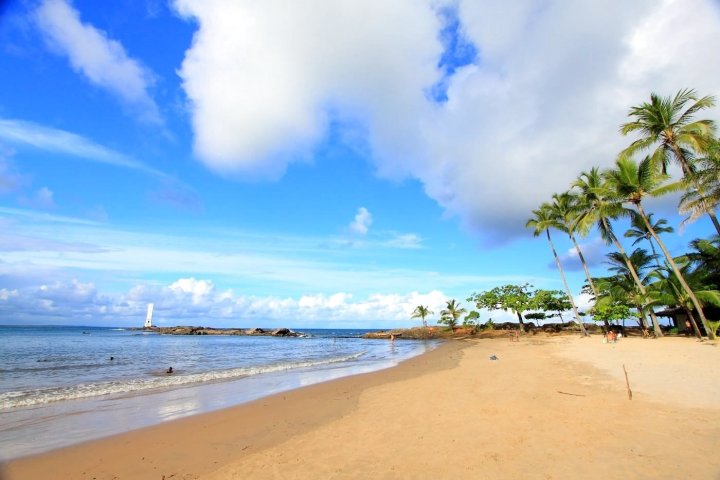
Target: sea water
pixel 63 385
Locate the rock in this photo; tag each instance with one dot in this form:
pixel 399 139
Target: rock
pixel 283 332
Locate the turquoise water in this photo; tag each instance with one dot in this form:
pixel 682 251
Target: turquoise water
pixel 62 385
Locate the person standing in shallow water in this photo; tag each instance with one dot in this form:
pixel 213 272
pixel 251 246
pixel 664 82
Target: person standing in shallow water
pixel 169 371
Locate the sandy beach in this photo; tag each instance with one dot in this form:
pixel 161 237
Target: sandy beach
pixel 546 408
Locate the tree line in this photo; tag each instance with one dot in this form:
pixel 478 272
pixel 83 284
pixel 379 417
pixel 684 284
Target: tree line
pixel 667 133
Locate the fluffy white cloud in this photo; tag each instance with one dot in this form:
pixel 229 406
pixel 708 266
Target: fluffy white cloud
pixel 189 300
pixel 265 78
pixel 543 101
pixel 362 221
pixel 103 61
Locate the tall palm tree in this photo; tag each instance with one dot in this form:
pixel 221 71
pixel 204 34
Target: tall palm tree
pixel 451 313
pixel 667 126
pixel 543 219
pixel 422 312
pixel 567 208
pixel 631 182
pixel 596 205
pixel 639 231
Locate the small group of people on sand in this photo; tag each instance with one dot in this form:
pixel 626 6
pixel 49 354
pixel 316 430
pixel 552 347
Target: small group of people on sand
pixel 611 336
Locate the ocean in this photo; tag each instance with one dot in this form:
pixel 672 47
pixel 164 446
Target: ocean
pixel 65 385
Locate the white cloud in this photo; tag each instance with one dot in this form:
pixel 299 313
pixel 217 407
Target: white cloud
pixel 264 79
pixel 61 141
pixel 189 300
pixel 103 61
pixel 362 221
pixel 406 240
pixel 552 85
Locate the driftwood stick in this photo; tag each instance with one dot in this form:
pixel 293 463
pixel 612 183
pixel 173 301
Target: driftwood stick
pixel 627 382
pixel 573 394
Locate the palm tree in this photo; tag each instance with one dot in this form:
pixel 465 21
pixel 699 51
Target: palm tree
pixel 421 312
pixel 567 207
pixel 639 231
pixel 451 313
pixel 596 205
pixel 704 194
pixel 667 125
pixel 668 291
pixel 543 219
pixel 640 261
pixel 631 182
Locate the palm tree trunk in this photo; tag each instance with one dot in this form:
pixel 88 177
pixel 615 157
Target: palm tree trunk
pixel 585 267
pixel 676 270
pixel 693 322
pixel 567 289
pixel 641 287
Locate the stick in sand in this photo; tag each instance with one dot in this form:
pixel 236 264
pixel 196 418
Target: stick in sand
pixel 627 382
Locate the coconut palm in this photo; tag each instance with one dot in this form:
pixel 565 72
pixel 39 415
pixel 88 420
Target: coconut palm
pixel 543 219
pixel 703 196
pixel 667 126
pixel 421 312
pixel 641 262
pixel 596 205
pixel 619 290
pixel 567 208
pixel 631 182
pixel 451 313
pixel 639 231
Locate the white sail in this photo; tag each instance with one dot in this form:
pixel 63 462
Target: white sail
pixel 148 318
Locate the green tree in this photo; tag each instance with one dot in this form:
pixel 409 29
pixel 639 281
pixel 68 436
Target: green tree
pixel 631 182
pixel 514 298
pixel 598 206
pixel 544 218
pixel 421 312
pixel 703 196
pixel 625 287
pixel 568 208
pixel 450 314
pixel 552 301
pixel 668 128
pixel 639 232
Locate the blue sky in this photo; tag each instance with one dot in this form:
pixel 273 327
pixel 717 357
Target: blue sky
pixel 314 164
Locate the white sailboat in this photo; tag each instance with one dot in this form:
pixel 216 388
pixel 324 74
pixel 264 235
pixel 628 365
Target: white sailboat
pixel 148 317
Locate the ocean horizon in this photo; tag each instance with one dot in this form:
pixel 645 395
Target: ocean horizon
pixel 67 384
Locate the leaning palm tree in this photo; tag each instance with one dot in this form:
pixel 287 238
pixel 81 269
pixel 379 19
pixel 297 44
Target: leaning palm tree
pixel 567 208
pixel 639 231
pixel 597 206
pixel 451 313
pixel 421 312
pixel 543 219
pixel 631 182
pixel 667 126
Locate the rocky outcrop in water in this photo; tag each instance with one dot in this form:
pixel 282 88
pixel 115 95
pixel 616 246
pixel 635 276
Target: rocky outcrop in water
pixel 188 330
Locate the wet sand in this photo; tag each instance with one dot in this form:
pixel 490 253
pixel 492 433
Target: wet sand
pixel 547 408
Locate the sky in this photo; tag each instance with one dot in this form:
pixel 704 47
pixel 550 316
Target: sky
pixel 313 163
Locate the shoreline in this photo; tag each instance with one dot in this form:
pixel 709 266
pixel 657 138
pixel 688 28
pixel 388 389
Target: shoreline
pixel 35 429
pixel 246 423
pixel 547 407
